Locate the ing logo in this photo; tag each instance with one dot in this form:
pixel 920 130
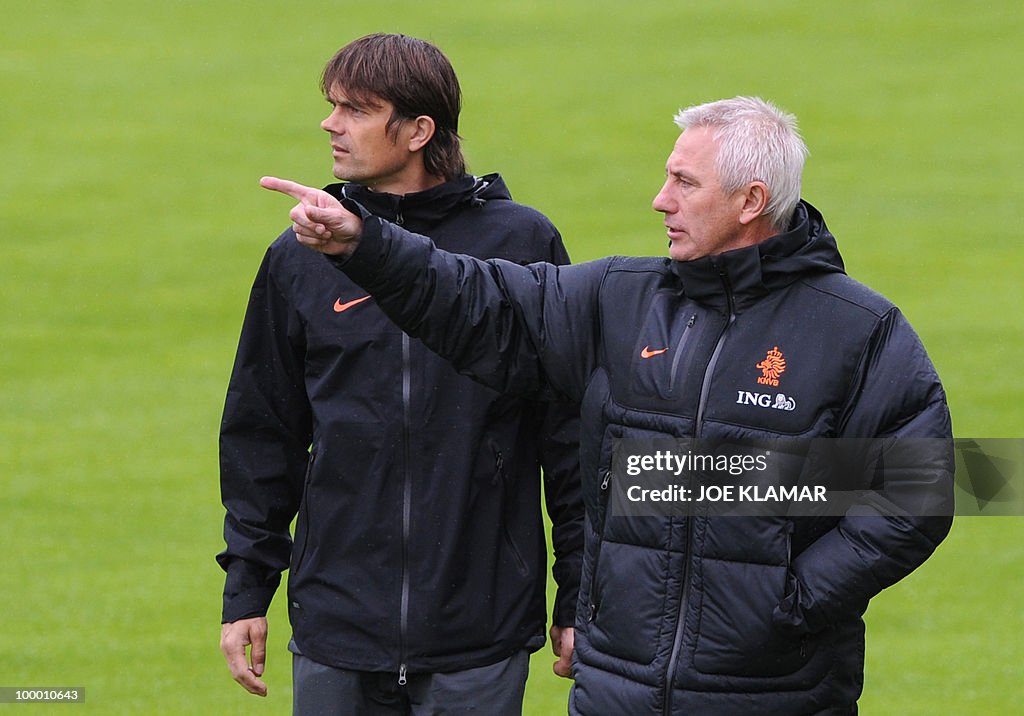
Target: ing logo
pixel 773 366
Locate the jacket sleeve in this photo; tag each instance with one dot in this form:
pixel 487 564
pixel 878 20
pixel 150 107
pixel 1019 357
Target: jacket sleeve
pixel 900 401
pixel 526 330
pixel 264 449
pixel 560 459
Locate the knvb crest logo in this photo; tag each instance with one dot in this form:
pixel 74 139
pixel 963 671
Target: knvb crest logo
pixel 773 366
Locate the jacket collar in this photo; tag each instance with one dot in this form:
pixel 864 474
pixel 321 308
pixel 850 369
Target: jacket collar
pixel 745 275
pixel 424 209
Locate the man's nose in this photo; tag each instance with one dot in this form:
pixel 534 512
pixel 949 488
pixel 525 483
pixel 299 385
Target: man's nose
pixel 332 124
pixel 661 201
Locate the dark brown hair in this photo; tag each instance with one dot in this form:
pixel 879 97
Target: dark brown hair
pixel 416 78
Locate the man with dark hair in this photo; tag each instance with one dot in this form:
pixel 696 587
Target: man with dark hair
pixel 696 612
pixel 416 79
pixel 417 572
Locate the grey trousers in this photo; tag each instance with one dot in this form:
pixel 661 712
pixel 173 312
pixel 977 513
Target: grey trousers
pixel 493 690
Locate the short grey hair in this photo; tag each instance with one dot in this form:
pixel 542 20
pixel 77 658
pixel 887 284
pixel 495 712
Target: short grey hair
pixel 757 141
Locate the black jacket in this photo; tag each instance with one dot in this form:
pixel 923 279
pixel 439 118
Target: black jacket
pixel 699 615
pixel 419 541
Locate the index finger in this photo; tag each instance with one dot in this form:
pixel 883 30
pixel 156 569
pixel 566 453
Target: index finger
pixel 245 676
pixel 291 188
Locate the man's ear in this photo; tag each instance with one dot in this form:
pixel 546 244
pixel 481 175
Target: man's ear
pixel 422 132
pixel 755 201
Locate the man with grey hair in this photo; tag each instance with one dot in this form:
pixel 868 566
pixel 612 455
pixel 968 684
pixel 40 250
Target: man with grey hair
pixel 749 330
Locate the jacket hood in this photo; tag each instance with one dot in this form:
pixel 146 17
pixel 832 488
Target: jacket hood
pixel 424 209
pixel 745 275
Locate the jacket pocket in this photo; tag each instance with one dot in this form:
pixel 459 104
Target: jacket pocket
pixel 507 487
pixel 737 635
pixel 627 601
pixel 302 524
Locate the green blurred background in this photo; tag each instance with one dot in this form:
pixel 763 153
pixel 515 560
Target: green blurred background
pixel 132 135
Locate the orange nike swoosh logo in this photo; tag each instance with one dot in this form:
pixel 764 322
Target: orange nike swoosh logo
pixel 339 306
pixel 648 353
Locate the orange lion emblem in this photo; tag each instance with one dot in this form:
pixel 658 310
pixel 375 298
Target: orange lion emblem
pixel 773 365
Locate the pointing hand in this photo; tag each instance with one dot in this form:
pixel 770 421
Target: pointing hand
pixel 319 220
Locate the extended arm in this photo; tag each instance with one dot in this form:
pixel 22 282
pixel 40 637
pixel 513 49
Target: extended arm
pixel 526 330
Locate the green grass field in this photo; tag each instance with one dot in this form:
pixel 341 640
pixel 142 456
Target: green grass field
pixel 132 135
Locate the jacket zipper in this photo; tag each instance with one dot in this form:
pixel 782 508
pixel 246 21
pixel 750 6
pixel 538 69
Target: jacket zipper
pixel 406 506
pixel 305 508
pixel 517 557
pixel 407 487
pixel 698 428
pixel 706 383
pixel 592 606
pixel 789 567
pixel 679 350
pixel 399 219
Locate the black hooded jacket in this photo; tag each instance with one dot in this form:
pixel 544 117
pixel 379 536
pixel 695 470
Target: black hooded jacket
pixel 419 543
pixel 700 614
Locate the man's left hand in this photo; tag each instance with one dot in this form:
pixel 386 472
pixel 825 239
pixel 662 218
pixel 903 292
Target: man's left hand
pixel 562 643
pixel 319 220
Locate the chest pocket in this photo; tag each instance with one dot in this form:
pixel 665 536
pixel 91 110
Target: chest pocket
pixel 669 354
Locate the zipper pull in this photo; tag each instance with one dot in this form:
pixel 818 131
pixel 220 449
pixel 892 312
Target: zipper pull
pixel 693 319
pixel 606 480
pixel 499 469
pixel 401 675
